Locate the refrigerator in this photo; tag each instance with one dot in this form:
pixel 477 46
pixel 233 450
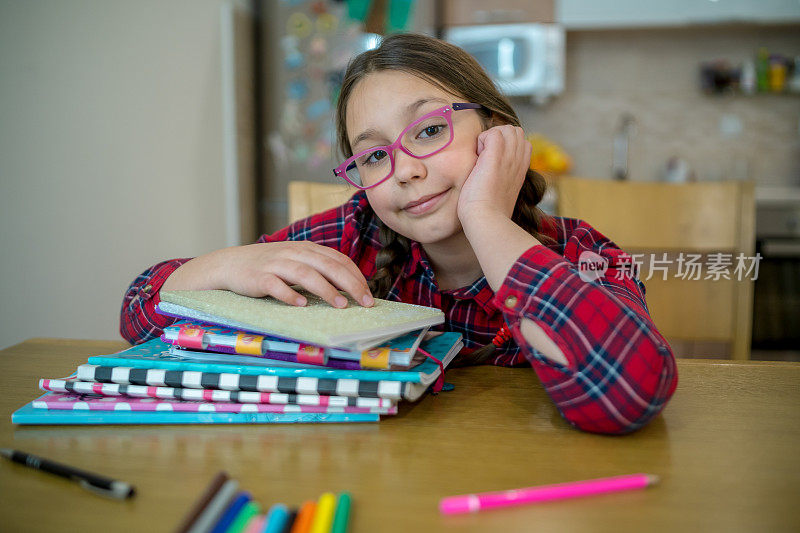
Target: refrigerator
pixel 305 48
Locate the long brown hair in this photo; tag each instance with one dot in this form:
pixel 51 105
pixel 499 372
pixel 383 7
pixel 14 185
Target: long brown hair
pixel 453 70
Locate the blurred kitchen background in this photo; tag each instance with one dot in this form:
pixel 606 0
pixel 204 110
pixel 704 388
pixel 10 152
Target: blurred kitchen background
pixel 133 132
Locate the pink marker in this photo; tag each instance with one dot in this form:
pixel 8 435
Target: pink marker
pixel 471 503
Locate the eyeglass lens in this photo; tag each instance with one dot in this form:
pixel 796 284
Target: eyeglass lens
pixel 421 139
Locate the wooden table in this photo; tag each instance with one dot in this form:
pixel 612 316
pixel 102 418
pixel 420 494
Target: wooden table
pixel 727 449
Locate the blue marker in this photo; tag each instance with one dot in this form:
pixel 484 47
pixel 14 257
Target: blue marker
pixel 276 518
pixel 230 513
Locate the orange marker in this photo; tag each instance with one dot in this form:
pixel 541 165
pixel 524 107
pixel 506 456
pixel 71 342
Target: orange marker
pixel 302 523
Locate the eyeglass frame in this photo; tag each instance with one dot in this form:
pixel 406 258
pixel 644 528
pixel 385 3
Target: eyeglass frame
pixel 446 112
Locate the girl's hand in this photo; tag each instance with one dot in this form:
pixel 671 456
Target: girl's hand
pixel 267 269
pixel 492 187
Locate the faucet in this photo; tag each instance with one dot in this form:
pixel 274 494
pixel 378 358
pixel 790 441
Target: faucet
pixel 622 137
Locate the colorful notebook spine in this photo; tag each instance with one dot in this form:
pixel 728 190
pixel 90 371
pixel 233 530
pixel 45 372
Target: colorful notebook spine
pixel 268 359
pixel 92 402
pixel 174 359
pixel 195 337
pixel 393 390
pixel 205 337
pixel 29 415
pixel 208 395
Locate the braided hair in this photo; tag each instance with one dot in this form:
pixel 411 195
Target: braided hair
pixel 453 70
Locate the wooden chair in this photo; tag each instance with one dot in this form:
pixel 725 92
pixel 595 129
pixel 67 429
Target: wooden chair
pixel 696 316
pixel 307 197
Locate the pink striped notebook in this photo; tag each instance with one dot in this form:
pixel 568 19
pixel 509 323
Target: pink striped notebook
pixel 74 386
pixel 93 402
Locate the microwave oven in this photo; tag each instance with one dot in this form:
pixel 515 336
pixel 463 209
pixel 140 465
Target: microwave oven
pixel 522 59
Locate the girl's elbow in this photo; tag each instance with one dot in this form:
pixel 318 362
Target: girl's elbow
pixel 620 413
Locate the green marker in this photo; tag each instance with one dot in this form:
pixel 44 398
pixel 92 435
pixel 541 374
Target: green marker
pixel 249 510
pixel 342 513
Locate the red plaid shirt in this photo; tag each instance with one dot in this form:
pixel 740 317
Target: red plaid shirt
pixel 621 371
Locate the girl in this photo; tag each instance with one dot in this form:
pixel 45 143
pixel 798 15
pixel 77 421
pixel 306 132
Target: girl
pixel 446 217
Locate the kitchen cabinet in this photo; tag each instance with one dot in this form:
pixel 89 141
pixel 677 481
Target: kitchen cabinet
pixel 469 12
pixel 608 14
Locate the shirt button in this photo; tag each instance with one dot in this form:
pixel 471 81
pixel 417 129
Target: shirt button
pixel 147 288
pixel 511 302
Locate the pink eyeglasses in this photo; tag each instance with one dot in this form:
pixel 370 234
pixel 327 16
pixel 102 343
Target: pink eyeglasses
pixel 424 137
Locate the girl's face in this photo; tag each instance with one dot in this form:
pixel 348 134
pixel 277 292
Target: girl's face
pixel 383 104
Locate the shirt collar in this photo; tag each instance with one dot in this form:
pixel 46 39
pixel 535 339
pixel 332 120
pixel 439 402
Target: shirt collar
pixel 416 261
pixel 479 290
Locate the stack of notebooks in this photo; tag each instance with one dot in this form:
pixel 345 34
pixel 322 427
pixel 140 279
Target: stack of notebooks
pixel 234 359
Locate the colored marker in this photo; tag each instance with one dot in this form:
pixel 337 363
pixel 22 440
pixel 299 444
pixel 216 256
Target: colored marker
pixel 244 517
pixel 302 524
pixel 209 516
pixel 276 519
pixel 201 503
pixel 227 517
pixel 490 500
pixel 342 514
pixel 287 527
pixel 88 480
pixel 256 525
pixel 323 518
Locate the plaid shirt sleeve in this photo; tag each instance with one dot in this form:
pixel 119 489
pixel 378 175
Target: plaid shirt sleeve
pixel 621 372
pixel 139 322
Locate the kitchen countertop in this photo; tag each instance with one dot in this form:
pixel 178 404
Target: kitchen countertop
pixel 777 195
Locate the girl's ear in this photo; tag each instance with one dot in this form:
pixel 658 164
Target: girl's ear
pixel 490 120
pixel 495 119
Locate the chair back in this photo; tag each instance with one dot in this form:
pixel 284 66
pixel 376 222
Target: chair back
pixel 698 316
pixel 307 197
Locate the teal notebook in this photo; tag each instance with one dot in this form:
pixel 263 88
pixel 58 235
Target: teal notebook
pixel 28 415
pixel 158 354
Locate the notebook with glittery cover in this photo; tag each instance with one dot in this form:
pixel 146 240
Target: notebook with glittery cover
pixel 318 323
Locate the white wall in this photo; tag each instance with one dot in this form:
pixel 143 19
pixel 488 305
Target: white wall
pixel 111 154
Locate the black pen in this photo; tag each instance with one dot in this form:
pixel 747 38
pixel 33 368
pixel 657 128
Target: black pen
pixel 93 482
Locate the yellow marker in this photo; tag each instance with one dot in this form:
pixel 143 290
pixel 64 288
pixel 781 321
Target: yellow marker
pixel 323 518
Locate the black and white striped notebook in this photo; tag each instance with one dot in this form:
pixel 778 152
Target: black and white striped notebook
pixel 157 377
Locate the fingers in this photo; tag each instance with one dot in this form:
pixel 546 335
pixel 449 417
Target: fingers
pixel 481 141
pixel 339 270
pixel 319 269
pixel 278 283
pixel 348 263
pixel 508 143
pixel 272 285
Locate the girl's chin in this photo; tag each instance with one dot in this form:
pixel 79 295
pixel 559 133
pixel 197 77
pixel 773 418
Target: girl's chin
pixel 431 231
